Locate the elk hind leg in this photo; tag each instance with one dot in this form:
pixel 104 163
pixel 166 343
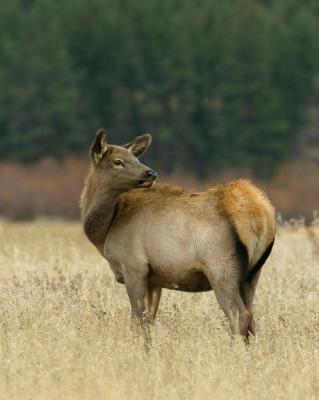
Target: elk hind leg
pixel 228 297
pixel 247 291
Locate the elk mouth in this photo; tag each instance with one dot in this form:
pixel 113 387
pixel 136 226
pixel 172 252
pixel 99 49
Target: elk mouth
pixel 145 183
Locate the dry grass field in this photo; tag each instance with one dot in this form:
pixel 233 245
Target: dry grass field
pixel 65 328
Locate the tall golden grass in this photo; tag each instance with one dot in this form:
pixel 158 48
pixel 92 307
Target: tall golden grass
pixel 65 326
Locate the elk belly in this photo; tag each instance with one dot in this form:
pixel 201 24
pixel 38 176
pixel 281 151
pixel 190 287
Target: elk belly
pixel 188 281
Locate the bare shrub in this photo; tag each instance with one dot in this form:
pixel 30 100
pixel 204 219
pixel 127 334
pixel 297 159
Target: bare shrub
pixel 47 187
pixel 52 188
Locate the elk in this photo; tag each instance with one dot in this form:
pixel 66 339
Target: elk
pixel 157 236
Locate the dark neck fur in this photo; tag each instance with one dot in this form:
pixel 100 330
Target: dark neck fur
pixel 98 212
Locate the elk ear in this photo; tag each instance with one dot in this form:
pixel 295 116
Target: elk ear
pixel 99 146
pixel 139 145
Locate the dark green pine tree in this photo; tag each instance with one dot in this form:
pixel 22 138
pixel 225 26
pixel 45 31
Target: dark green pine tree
pixel 41 105
pixel 218 84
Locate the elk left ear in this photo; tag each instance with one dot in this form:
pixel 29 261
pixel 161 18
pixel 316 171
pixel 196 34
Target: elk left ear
pixel 99 146
pixel 139 145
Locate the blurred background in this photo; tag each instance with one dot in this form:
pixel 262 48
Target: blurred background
pixel 227 88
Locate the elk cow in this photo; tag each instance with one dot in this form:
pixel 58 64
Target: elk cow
pixel 156 236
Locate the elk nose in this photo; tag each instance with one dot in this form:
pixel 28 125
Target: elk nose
pixel 150 174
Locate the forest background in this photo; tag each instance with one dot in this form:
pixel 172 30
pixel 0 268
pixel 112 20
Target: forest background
pixel 227 88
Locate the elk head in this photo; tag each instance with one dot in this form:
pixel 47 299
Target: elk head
pixel 119 166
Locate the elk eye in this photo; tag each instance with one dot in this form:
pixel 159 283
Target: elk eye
pixel 118 163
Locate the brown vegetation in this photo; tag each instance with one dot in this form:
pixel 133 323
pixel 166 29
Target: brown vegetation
pixel 52 188
pixel 47 187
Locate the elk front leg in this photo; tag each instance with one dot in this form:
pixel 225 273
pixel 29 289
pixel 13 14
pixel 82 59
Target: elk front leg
pixel 154 296
pixel 137 290
pixel 137 287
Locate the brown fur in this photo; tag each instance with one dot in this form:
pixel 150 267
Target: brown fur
pixel 251 213
pixel 164 237
pixel 247 208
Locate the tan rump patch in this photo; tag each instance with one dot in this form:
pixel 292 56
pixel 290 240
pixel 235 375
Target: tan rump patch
pixel 251 213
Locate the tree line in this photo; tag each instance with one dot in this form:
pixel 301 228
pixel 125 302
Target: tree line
pixel 217 83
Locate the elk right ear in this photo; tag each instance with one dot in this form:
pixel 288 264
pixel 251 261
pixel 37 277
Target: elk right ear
pixel 99 146
pixel 139 145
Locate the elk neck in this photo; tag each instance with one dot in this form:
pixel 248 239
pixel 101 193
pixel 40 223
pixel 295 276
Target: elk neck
pixel 98 206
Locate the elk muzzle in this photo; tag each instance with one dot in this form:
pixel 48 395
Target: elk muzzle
pixel 148 178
